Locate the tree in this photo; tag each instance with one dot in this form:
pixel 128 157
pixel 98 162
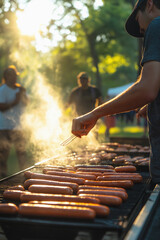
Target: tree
pixel 100 33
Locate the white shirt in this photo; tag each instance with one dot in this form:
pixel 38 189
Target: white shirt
pixel 10 119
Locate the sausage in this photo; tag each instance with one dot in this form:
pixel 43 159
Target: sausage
pixel 26 197
pixel 128 168
pixel 57 178
pixel 95 166
pixel 68 174
pixel 17 187
pixel 46 169
pixel 27 174
pixel 37 188
pixel 91 173
pixel 101 188
pixel 8 208
pixel 44 210
pixel 120 173
pixel 29 182
pixel 12 194
pixel 120 194
pixel 118 183
pixel 104 199
pixel 101 211
pixel 136 178
pixel 93 170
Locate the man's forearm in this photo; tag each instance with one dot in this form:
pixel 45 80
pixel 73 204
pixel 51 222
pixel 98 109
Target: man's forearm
pixel 6 106
pixel 133 98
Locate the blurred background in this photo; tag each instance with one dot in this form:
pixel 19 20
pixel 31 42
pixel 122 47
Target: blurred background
pixel 50 42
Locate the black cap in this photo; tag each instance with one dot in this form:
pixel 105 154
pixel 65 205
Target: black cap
pixel 132 26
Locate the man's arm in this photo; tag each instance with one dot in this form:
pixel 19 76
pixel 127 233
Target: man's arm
pixel 7 106
pixel 144 91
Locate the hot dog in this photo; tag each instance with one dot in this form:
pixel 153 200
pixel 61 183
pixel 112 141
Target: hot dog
pixel 101 211
pixel 126 169
pixel 120 194
pixel 136 178
pixel 12 194
pixel 76 175
pixel 53 169
pixel 101 188
pixel 57 178
pixel 104 199
pixel 95 166
pixel 29 182
pixel 26 197
pixel 17 187
pixel 8 208
pixel 91 173
pixel 93 170
pixel 37 188
pixel 120 173
pixel 44 210
pixel 27 174
pixel 118 183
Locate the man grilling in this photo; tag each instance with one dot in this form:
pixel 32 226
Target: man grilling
pixel 143 22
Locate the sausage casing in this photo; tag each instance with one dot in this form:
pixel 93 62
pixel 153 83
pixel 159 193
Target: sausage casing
pixel 50 189
pixel 8 208
pixel 101 210
pixel 118 183
pixel 26 197
pixel 44 210
pixel 29 182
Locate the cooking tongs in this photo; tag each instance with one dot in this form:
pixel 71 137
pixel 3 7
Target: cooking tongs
pixel 68 140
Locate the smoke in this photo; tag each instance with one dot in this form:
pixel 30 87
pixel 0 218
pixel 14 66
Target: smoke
pixel 44 121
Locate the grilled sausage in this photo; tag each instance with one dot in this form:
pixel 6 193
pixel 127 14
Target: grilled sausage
pixel 104 199
pixel 126 169
pixel 101 188
pixel 95 166
pixel 12 194
pixel 76 175
pixel 46 169
pixel 92 170
pixel 101 211
pixel 136 178
pixel 29 182
pixel 17 187
pixel 27 174
pixel 120 173
pixel 91 173
pixel 8 208
pixel 57 178
pixel 118 183
pixel 37 188
pixel 44 210
pixel 26 197
pixel 120 194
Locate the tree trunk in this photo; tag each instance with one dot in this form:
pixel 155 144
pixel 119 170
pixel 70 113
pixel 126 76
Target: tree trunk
pixel 91 43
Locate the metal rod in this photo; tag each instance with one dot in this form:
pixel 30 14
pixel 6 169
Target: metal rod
pixel 68 140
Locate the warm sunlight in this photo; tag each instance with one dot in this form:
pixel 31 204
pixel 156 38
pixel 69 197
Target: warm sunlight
pixel 35 17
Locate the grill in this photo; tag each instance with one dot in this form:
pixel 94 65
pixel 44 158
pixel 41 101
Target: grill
pixel 115 225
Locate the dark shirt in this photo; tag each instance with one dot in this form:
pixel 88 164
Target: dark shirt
pixel 152 53
pixel 84 99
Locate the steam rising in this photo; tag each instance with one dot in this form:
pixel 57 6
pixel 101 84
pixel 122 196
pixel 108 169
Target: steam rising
pixel 44 120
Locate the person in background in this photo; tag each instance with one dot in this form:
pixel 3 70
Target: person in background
pixel 85 97
pixel 13 99
pixel 145 92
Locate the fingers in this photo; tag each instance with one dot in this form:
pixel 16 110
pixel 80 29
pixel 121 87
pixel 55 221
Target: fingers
pixel 78 129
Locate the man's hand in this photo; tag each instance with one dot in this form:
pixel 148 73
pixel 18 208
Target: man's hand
pixel 82 125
